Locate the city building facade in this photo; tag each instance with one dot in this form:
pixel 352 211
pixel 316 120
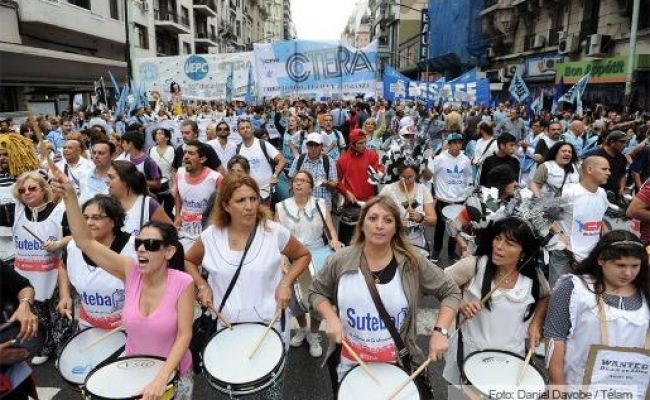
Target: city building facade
pixel 549 42
pixel 51 50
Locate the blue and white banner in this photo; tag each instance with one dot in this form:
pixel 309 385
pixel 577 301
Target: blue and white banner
pixel 574 94
pixel 518 89
pixel 398 86
pixel 322 69
pixel 200 76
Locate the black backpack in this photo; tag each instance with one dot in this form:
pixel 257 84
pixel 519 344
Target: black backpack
pixel 266 154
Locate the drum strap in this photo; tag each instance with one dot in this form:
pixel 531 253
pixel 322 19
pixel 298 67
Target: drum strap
pixel 231 285
pixel 402 352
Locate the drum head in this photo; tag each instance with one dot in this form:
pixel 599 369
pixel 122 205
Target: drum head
pixel 495 370
pixel 225 357
pixel 124 378
pixel 452 211
pixel 76 360
pixel 356 384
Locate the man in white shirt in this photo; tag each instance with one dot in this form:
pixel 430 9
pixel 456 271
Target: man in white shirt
pixel 336 143
pixel 224 148
pixel 266 161
pixel 451 173
pixel 95 180
pixel 486 145
pixel 582 224
pixel 72 164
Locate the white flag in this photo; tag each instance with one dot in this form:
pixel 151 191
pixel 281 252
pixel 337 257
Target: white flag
pixel 518 88
pixel 538 104
pixel 576 91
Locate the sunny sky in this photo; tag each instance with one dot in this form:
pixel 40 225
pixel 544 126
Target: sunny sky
pixel 320 19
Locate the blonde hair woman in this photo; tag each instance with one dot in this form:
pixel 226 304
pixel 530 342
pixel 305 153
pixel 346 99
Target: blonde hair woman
pixel 381 252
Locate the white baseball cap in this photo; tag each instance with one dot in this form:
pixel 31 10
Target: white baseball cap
pixel 314 138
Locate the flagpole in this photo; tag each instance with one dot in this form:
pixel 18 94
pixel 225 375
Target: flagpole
pixel 632 52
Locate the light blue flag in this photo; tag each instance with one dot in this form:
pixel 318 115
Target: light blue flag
pixel 116 87
pixel 575 92
pixel 229 85
pixel 249 85
pixel 538 104
pixel 518 89
pixel 121 102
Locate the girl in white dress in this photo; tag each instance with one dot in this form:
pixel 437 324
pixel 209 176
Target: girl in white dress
pixel 612 280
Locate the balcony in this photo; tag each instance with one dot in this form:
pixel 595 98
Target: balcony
pixel 207 38
pixel 170 21
pixel 226 31
pixel 205 7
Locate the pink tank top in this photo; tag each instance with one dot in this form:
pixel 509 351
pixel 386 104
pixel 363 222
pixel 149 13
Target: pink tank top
pixel 155 334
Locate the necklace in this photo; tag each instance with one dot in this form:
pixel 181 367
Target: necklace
pixel 506 277
pixel 377 275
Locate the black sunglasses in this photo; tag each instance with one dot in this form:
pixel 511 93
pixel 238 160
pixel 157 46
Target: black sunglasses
pixel 149 244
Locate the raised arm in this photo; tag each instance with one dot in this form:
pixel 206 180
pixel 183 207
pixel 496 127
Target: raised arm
pixel 112 262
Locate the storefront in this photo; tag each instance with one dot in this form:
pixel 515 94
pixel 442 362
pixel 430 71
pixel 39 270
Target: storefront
pixel 607 81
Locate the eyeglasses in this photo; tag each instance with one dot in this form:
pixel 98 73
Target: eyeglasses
pixel 149 244
pixel 30 189
pixel 409 178
pixel 95 218
pixel 300 180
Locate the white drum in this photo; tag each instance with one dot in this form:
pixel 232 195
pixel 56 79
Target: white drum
pixel 452 211
pixel 76 359
pixel 228 368
pixel 497 371
pixel 125 379
pixel 357 385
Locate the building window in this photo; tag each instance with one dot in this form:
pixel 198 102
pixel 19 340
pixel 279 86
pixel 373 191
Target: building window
pixel 81 3
pixel 187 48
pixel 141 36
pixel 114 10
pixel 185 16
pixel 238 29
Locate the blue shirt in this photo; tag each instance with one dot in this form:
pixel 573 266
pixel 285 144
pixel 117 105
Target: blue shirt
pixel 56 138
pixel 577 142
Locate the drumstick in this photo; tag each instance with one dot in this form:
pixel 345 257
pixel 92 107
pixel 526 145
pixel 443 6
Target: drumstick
pixel 6 325
pixel 101 338
pixel 523 367
pixel 410 379
pixel 408 195
pixel 35 236
pixel 482 302
pixel 266 332
pixel 360 362
pixel 219 315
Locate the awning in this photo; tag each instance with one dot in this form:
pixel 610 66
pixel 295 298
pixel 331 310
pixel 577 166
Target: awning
pixel 33 66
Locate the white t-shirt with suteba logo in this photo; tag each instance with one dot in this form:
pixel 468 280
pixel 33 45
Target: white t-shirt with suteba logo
pixel 583 220
pixel 451 176
pixel 261 170
pixel 363 328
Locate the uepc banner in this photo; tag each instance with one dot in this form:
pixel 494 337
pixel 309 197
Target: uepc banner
pixel 302 67
pixel 200 76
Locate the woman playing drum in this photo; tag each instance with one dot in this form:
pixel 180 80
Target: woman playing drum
pixel 104 216
pixel 260 290
pixel 38 235
pixel 505 257
pixel 612 280
pixel 381 255
pixel 158 298
pixel 415 203
pixel 306 217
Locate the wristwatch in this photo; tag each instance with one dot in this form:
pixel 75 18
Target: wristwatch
pixel 442 331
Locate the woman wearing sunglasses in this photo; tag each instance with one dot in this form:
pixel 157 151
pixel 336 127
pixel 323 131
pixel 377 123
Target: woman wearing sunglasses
pixel 101 294
pixel 159 298
pixel 129 187
pixel 240 221
pixel 38 234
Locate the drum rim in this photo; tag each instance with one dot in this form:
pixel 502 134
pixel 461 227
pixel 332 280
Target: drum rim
pixel 75 385
pixel 277 368
pixel 464 377
pixel 338 391
pixel 106 362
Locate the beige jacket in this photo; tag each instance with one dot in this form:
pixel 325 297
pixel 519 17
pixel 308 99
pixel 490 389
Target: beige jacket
pixel 426 278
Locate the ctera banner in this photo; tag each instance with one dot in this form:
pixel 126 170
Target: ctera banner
pixel 302 67
pixel 200 76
